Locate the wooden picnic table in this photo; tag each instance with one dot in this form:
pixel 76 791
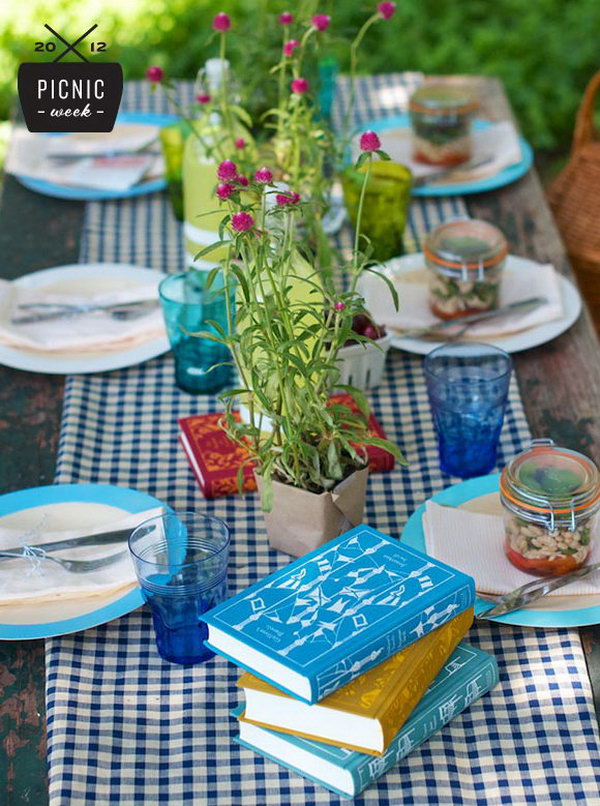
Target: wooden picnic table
pixel 559 382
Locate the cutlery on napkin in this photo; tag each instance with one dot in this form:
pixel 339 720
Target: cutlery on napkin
pixel 31 579
pixel 106 161
pixel 97 330
pixel 473 542
pixel 415 313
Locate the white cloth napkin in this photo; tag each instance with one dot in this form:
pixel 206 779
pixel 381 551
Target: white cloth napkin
pixel 515 286
pixel 90 332
pixel 474 543
pixel 499 141
pixel 29 155
pixel 37 579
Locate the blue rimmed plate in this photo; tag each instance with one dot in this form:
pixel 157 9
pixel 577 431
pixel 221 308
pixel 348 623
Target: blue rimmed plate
pixel 481 494
pixel 504 177
pixel 90 194
pixel 92 501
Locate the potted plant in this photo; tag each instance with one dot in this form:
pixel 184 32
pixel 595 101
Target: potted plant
pixel 285 331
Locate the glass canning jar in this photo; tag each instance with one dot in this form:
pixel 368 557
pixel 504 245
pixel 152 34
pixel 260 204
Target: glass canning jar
pixel 465 258
pixel 550 496
pixel 440 116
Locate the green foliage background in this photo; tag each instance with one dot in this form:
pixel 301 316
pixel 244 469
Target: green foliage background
pixel 544 50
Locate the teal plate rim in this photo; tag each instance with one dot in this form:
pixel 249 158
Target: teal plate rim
pixel 413 535
pixel 123 497
pixel 89 194
pixel 502 178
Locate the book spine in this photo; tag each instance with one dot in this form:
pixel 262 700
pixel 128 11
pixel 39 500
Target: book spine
pixel 414 627
pixel 402 702
pixel 451 702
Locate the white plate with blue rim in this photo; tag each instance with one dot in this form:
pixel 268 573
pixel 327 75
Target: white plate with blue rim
pixel 88 279
pixel 504 177
pixel 481 495
pixel 92 194
pixel 22 621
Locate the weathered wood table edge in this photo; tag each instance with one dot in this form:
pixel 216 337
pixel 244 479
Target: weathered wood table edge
pixel 560 386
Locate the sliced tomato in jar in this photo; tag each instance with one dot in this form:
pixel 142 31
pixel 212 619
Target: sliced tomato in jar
pixel 542 566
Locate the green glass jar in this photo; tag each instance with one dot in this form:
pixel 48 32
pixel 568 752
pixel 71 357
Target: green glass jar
pixel 172 141
pixel 385 206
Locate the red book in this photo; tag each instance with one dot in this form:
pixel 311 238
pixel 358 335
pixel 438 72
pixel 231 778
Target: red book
pixel 215 459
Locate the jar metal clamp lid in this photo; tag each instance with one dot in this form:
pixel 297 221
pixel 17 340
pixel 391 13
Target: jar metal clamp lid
pixel 551 484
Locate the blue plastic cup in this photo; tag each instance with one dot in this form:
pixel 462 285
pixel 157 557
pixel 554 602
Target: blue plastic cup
pixel 189 308
pixel 181 563
pixel 467 384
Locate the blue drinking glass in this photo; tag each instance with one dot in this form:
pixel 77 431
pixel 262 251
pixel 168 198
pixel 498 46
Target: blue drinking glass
pixel 189 307
pixel 181 563
pixel 467 384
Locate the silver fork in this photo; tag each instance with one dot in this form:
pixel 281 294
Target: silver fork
pixel 74 566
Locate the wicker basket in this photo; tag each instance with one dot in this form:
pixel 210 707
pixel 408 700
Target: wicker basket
pixel 574 197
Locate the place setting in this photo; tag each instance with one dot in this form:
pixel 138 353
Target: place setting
pixel 324 522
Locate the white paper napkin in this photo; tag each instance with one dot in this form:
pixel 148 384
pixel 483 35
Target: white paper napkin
pixel 515 286
pixel 94 331
pixel 29 155
pixel 474 543
pixel 499 141
pixel 37 579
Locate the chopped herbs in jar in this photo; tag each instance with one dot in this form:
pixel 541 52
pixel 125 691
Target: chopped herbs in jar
pixel 440 116
pixel 550 497
pixel 465 258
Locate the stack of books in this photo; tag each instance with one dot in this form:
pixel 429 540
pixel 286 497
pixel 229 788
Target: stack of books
pixel 353 657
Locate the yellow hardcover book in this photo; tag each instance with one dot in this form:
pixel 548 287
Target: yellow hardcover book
pixel 368 712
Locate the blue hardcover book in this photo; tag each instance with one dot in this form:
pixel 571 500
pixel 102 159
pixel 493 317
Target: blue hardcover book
pixel 466 676
pixel 326 618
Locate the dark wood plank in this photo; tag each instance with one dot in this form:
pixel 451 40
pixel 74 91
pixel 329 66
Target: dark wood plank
pixel 559 381
pixel 35 232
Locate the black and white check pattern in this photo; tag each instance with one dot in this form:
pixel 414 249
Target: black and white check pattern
pixel 125 727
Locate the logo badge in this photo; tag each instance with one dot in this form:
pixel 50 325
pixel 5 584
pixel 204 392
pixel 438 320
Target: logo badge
pixel 78 96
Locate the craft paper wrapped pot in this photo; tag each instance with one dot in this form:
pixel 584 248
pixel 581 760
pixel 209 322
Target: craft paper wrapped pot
pixel 301 521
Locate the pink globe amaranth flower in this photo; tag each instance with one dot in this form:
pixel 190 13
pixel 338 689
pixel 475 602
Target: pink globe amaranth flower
pixel 290 47
pixel 340 306
pixel 221 22
pixel 242 222
pixel 203 99
pixel 386 10
pixel 286 18
pixel 263 175
pixel 285 199
pixel 242 180
pixel 227 170
pixel 369 141
pixel 224 190
pixel 321 21
pixel 155 74
pixel 240 143
pixel 300 86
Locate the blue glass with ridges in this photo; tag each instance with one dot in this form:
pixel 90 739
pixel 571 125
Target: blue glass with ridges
pixel 181 564
pixel 201 365
pixel 467 384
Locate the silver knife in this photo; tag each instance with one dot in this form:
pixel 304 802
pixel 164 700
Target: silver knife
pixel 75 542
pixel 447 173
pixel 533 591
pixel 78 310
pixel 522 306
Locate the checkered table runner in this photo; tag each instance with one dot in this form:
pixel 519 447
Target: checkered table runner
pixel 125 727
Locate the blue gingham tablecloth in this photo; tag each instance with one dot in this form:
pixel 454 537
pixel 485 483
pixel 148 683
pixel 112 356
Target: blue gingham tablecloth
pixel 125 727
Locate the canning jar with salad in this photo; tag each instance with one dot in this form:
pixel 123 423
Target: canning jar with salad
pixel 550 497
pixel 440 117
pixel 465 258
